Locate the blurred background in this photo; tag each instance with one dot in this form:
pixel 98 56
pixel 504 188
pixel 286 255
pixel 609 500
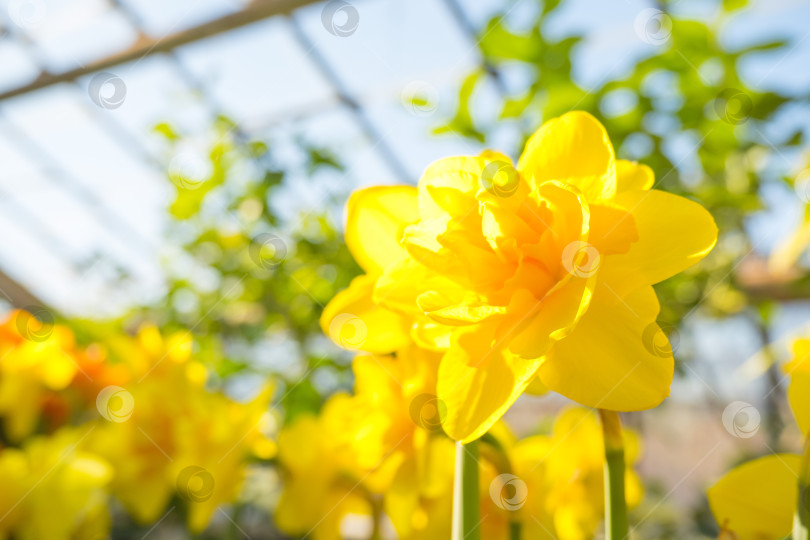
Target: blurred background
pixel 185 165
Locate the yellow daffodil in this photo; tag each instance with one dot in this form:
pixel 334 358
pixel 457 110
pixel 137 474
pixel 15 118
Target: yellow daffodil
pixel 574 469
pixel 397 415
pixel 544 269
pixel 555 488
pixel 33 367
pixel 195 447
pixel 46 380
pixel 320 489
pixel 757 500
pixel 383 442
pixel 53 488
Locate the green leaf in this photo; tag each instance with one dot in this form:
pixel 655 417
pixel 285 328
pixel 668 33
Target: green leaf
pixel 462 123
pixel 192 191
pixel 767 46
pixel 733 5
pixel 514 107
pixel 167 131
pixel 549 6
pixel 497 42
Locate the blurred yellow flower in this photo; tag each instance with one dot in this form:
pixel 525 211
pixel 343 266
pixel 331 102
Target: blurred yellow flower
pixel 54 488
pixel 33 367
pixel 555 488
pixel 574 468
pixel 166 434
pixel 757 500
pixel 319 488
pixel 382 443
pixel 540 270
pixel 46 380
pixel 396 414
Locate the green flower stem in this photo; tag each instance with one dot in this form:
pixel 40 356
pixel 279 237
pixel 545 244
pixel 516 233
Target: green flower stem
pixel 616 525
pixel 377 510
pixel 466 504
pixel 492 451
pixel 801 520
pixel 515 530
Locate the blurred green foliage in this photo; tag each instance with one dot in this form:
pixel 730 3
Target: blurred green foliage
pixel 247 282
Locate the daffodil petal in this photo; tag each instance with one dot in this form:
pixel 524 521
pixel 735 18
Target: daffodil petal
pixel 801 357
pixel 537 324
pixel 757 499
pixel 576 149
pixel 402 498
pixel 401 284
pixel 504 230
pixel 569 228
pixel 448 187
pixel 458 314
pixel 419 501
pixel 431 335
pixel 614 358
pixel 494 155
pixel 376 376
pixel 536 387
pixel 422 242
pixel 632 176
pixel 798 391
pixel 612 230
pixel 478 381
pixel 531 276
pixel 570 211
pixel 674 233
pixel 553 318
pixel 355 322
pixel 376 219
pixel 445 247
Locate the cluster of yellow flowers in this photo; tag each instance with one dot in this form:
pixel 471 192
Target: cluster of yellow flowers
pixel 486 281
pixel 130 420
pixel 381 451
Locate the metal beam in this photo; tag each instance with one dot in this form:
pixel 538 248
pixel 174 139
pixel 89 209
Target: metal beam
pixel 16 295
pixel 256 11
pixel 472 33
pixel 374 136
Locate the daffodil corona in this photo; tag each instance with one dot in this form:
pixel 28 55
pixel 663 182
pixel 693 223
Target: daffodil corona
pixel 537 274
